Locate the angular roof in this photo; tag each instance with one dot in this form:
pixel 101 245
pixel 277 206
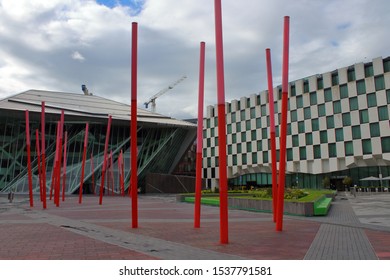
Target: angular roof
pixel 91 106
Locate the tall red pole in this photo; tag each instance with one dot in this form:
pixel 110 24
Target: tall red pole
pixel 133 132
pixel 28 146
pixel 83 163
pixel 123 174
pixel 39 163
pixel 57 168
pixel 58 179
pixel 93 174
pixel 43 153
pixel 273 136
pixel 199 144
pixel 64 166
pixel 224 237
pixel 283 129
pixel 105 159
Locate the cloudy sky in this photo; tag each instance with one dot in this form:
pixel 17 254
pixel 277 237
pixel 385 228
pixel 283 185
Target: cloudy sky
pixel 61 44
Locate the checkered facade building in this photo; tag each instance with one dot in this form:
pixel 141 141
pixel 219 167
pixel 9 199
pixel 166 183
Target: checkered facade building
pixel 336 121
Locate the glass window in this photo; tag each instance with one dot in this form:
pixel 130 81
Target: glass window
pixel 299 101
pixel 229 128
pixel 343 91
pixel 208 123
pixel 302 153
pixel 367 148
pixel 351 75
pixel 244 159
pixel 234 117
pixel 294 116
pixel 348 146
pixel 216 121
pixel 305 86
pixel 309 138
pixel 258 99
pixel 253 113
pixel 263 110
pixel 253 135
pixel 242 115
pixel 332 150
pixel 239 148
pixel 321 110
pixel 230 149
pixel 385 144
pixel 317 151
pixel 234 138
pixel 265 157
pixel 295 140
pixel 243 136
pixel 259 145
pixel 383 113
pixel 339 134
pixel 323 136
pixel 313 98
pixel 371 100
pixel 328 94
pixel 213 151
pixel 353 103
pixel 335 79
pixel 258 123
pixel 301 127
pixel 290 154
pixel 379 82
pixel 361 87
pixel 288 129
pixel 320 83
pixel 249 147
pixel 254 158
pixel 307 113
pixel 337 107
pixel 330 122
pixel 238 127
pixel 234 159
pixel 386 65
pixel 293 90
pixel 363 114
pixel 388 96
pixel 248 102
pixel 356 133
pixel 212 131
pixel 264 134
pixel 248 125
pixel 368 70
pixel 315 124
pixel 346 119
pixel 374 129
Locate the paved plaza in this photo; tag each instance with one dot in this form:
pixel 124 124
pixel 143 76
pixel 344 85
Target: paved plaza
pixel 355 229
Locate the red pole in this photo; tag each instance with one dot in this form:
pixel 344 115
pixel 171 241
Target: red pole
pixel 54 170
pixel 43 153
pixel 58 179
pixel 28 145
pixel 83 163
pixel 93 174
pixel 112 173
pixel 57 167
pixel 39 163
pixel 199 144
pixel 133 132
pixel 105 160
pixel 273 137
pixel 283 129
pixel 224 236
pixel 64 166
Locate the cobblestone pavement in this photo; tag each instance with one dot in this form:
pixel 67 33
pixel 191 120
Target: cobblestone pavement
pixel 355 228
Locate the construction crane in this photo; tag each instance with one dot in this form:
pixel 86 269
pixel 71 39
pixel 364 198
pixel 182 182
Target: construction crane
pixel 161 92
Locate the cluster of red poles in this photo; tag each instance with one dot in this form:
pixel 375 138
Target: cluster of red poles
pixel 277 182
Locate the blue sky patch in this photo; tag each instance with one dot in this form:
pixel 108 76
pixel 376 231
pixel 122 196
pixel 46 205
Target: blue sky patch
pixel 135 5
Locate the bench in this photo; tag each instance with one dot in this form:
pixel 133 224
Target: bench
pixel 322 205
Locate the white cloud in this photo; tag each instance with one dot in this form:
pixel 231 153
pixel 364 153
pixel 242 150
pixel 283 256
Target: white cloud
pixel 77 56
pixel 39 35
